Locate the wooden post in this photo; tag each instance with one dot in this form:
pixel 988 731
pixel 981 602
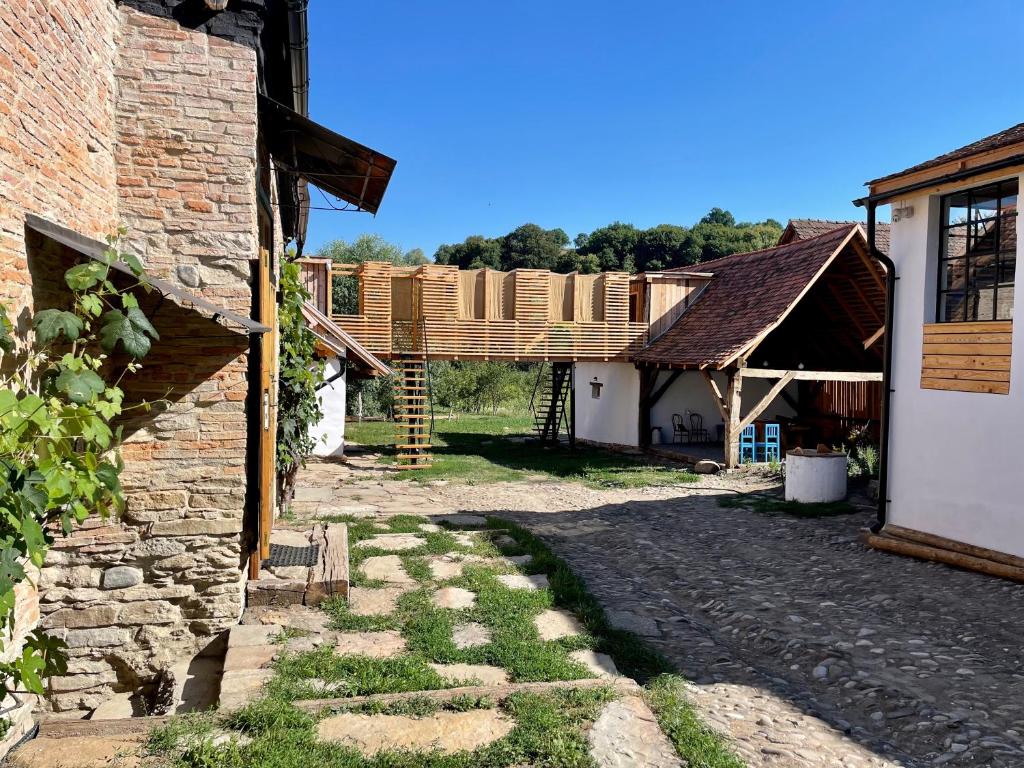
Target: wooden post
pixel 733 405
pixel 648 378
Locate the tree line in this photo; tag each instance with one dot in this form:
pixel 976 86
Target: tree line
pixel 617 246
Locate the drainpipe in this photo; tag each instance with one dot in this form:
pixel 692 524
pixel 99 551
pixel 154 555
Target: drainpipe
pixel 890 297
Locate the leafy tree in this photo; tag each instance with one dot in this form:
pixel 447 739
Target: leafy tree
pixel 532 247
pixel 475 252
pixel 662 247
pixel 59 462
pixel 613 247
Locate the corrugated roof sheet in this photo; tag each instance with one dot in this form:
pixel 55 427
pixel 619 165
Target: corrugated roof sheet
pixel 749 294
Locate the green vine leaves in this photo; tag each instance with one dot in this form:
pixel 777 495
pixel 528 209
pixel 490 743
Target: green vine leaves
pixel 60 398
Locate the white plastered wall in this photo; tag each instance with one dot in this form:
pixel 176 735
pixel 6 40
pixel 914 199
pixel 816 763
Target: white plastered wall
pixel 614 416
pixel 691 394
pixel 330 431
pixel 955 457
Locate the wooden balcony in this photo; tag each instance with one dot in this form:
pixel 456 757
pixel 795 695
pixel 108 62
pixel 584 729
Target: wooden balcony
pixel 449 314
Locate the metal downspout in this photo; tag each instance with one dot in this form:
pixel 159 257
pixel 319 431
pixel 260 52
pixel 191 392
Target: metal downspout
pixel 890 303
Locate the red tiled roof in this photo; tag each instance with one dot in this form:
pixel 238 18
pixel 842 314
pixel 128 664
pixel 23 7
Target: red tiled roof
pixel 749 294
pixel 999 140
pixel 803 229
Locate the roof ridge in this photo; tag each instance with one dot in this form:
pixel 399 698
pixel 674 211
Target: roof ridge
pixel 793 244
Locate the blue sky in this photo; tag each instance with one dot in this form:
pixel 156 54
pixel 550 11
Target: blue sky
pixel 575 114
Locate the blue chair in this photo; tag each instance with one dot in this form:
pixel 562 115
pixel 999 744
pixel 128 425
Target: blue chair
pixel 747 443
pixel 772 442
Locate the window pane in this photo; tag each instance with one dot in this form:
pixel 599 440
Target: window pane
pixel 1007 268
pixel 983 236
pixel 981 293
pixel 1008 190
pixel 984 202
pixel 955 209
pixel 951 307
pixel 1004 305
pixel 1008 234
pixel 953 275
pixel 954 242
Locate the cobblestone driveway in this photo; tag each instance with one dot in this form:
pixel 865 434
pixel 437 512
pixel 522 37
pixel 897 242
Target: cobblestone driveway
pixel 806 647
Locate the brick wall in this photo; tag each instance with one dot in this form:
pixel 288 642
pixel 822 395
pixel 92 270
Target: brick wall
pixel 117 114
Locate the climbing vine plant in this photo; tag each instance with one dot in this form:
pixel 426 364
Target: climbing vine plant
pixel 59 462
pixel 301 372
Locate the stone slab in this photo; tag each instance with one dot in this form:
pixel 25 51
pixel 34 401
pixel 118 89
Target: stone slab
pixel 444 567
pixel 454 597
pixel 387 568
pixel 470 635
pixel 250 657
pixel 447 732
pixel 520 581
pixel 240 687
pixel 286 537
pixel 363 601
pixel 244 635
pixel 392 542
pixel 518 560
pixel 627 735
pixel 599 664
pixel 377 645
pixel 273 591
pixel 465 674
pixel 80 752
pixel 555 624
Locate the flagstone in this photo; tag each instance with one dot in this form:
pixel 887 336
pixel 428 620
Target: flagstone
pixel 520 581
pixel 447 732
pixel 465 673
pixel 377 645
pixel 626 734
pixel 518 560
pixel 555 624
pixel 600 664
pixel 445 567
pixel 470 635
pixel 363 601
pixel 454 597
pixel 392 542
pixel 386 568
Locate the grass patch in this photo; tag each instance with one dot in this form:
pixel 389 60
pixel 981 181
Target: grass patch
pixel 768 505
pixel 703 748
pixel 491 449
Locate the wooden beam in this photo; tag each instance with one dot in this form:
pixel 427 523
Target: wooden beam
pixel 660 391
pixel 716 395
pixel 648 378
pixel 733 404
pixel 765 401
pixel 870 341
pixel 872 266
pixel 867 302
pixel 776 373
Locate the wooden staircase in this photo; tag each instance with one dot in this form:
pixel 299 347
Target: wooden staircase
pixel 412 413
pixel 552 403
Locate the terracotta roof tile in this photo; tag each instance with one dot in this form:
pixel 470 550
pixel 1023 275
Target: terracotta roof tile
pixel 802 229
pixel 1005 138
pixel 748 294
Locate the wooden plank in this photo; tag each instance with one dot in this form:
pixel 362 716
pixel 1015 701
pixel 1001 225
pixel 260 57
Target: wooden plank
pixel 967 362
pixel 949 373
pixel 874 337
pixel 329 577
pixel 967 349
pixel 968 338
pixel 716 395
pixel 959 385
pixel 778 373
pixel 985 326
pixel 765 401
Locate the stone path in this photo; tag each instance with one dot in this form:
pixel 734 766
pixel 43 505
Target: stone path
pixel 806 648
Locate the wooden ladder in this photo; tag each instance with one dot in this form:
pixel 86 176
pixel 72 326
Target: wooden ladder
pixel 412 414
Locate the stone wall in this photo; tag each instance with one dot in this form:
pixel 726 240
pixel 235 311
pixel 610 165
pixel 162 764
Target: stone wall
pixel 57 142
pixel 166 579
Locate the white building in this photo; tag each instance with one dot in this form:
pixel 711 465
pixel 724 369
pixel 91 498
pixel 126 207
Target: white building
pixel 345 358
pixel 955 444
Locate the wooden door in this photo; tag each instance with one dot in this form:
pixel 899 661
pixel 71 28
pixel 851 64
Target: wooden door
pixel 268 402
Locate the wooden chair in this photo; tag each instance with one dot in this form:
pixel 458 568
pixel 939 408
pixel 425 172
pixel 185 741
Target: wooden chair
pixel 772 442
pixel 748 443
pixel 697 431
pixel 678 429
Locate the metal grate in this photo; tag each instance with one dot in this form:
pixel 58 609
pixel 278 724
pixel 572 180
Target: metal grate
pixel 282 555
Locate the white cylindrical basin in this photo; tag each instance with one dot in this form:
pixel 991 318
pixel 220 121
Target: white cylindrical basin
pixel 813 477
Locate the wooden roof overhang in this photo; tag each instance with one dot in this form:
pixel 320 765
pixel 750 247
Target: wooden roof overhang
pixel 334 341
pixel 795 293
pixel 989 159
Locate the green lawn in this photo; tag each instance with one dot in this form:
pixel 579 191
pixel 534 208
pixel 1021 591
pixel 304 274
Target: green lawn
pixel 489 449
